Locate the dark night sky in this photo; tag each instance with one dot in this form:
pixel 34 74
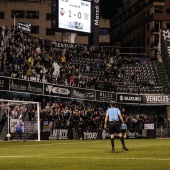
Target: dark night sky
pixel 108 8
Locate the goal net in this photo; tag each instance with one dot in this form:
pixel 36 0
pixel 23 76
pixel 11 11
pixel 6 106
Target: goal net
pixel 26 113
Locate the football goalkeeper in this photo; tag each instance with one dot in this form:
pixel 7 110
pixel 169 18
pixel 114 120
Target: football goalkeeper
pixel 18 127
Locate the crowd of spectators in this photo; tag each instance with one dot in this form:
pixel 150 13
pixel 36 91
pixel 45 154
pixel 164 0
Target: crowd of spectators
pixel 67 114
pixel 27 57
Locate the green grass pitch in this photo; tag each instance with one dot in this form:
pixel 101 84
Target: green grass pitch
pixel 143 154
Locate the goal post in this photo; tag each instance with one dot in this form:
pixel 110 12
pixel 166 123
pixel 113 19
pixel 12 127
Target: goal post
pixel 27 112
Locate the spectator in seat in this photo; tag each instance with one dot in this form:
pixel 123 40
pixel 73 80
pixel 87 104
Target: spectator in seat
pixel 37 70
pixel 29 74
pixel 63 60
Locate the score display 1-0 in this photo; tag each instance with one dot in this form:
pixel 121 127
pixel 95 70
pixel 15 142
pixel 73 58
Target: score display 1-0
pixel 74 15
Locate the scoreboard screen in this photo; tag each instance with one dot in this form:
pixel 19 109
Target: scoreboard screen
pixel 74 15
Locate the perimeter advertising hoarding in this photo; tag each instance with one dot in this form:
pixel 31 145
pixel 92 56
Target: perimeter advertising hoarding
pixel 96 19
pixel 90 134
pixel 4 83
pixel 105 96
pixel 149 126
pixel 161 99
pixel 56 44
pixel 83 94
pixel 128 98
pixel 25 86
pixel 54 90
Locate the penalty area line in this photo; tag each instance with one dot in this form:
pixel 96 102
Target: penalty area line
pixel 95 158
pixel 63 143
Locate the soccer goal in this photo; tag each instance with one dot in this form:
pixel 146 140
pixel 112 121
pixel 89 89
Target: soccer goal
pixel 25 112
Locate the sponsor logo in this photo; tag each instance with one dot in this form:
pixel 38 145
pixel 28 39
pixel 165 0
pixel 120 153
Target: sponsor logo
pixel 131 135
pixel 90 95
pixel 34 89
pixel 90 135
pixel 78 94
pixel 56 44
pixel 19 87
pixel 121 98
pixel 149 126
pixel 25 88
pixel 86 95
pixel 96 20
pixel 130 98
pixel 166 34
pixel 104 134
pixel 57 90
pixel 157 99
pixel 106 94
pixel 59 133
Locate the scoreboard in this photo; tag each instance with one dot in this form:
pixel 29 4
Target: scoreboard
pixel 74 15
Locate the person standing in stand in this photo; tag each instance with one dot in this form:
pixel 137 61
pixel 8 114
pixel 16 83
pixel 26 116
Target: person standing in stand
pixel 113 115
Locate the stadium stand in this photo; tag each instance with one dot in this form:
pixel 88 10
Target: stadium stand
pixel 27 57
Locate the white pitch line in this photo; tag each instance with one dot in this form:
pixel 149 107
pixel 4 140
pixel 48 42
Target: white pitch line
pixel 62 143
pixel 95 158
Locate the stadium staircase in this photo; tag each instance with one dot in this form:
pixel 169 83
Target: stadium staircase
pixel 163 77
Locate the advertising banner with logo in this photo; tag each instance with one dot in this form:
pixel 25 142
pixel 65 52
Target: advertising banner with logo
pixel 56 44
pixel 149 126
pixel 4 83
pixel 54 90
pixel 26 86
pixel 127 98
pixel 105 96
pixel 59 134
pixel 161 99
pixel 31 126
pixel 46 127
pixel 96 12
pixel 83 94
